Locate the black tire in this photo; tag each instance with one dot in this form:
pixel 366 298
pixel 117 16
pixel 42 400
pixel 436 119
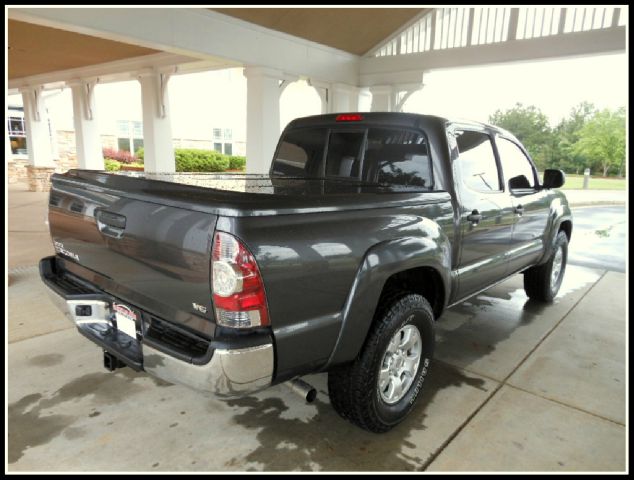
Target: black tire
pixel 537 279
pixel 354 388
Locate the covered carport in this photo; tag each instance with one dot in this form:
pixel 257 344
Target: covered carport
pixel 515 386
pixel 345 54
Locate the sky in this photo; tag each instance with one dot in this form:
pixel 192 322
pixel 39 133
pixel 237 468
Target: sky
pixel 555 87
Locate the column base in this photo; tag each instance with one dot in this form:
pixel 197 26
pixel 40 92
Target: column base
pixel 39 178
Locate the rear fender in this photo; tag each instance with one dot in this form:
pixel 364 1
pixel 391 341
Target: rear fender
pixel 379 264
pixel 559 213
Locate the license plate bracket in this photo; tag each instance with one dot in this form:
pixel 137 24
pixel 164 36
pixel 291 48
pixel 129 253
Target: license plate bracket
pixel 126 319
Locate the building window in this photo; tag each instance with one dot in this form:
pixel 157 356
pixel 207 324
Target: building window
pixel 17 135
pixel 129 135
pixel 123 144
pixel 222 140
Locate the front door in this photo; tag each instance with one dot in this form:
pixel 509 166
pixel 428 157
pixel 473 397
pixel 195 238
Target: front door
pixel 531 205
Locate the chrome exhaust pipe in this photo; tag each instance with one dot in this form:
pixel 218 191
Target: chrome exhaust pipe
pixel 303 389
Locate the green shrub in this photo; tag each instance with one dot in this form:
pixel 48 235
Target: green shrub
pixel 112 165
pixel 237 163
pixel 194 160
pixel 187 160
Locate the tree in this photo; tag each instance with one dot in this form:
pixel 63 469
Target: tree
pixel 602 140
pixel 566 134
pixel 531 127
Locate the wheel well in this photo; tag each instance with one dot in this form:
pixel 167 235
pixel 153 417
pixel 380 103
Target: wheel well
pixel 424 281
pixel 566 227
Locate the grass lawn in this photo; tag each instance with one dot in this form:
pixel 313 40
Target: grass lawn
pixel 575 182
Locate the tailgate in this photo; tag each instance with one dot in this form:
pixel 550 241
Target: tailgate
pixel 154 256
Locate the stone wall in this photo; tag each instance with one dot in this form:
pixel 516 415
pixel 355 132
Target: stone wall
pixel 67 154
pixel 39 178
pixel 66 151
pixel 16 169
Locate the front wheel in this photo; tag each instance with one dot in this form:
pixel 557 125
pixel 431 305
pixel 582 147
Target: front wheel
pixel 381 386
pixel 542 282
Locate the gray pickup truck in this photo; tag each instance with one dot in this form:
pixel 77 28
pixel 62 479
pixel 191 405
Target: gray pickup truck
pixel 340 260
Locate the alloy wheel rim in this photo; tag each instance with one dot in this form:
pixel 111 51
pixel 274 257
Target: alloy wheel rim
pixel 400 364
pixel 557 267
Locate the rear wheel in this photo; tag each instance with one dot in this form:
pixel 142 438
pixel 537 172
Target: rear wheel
pixel 542 282
pixel 381 386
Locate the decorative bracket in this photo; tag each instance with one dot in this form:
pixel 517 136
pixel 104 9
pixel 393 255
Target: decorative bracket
pixel 36 104
pixel 34 100
pixel 163 78
pixel 88 91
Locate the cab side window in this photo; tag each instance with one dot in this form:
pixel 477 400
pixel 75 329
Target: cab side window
pixel 477 162
pixel 518 171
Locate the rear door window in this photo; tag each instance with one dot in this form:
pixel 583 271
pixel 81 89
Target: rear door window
pixel 478 167
pixel 398 157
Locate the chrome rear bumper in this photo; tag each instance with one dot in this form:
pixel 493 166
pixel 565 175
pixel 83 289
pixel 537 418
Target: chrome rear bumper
pixel 229 372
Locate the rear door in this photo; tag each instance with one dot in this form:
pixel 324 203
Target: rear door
pixel 530 204
pixel 486 212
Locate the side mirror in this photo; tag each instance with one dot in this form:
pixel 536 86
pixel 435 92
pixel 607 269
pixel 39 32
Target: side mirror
pixel 553 178
pixel 519 182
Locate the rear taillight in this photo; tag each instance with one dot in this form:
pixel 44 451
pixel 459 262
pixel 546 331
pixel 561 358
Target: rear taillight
pixel 238 291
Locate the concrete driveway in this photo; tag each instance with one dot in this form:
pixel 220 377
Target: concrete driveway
pixel 515 386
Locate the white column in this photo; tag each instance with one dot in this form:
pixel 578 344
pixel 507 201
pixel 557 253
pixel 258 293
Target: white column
pixel 364 100
pixel 157 129
pixel 343 98
pixel 87 138
pixel 324 96
pixel 38 136
pixel 382 98
pixel 263 117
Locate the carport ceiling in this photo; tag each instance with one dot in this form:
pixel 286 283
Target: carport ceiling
pixel 354 30
pixel 34 49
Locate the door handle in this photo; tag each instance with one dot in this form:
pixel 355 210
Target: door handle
pixel 110 224
pixel 519 210
pixel 474 217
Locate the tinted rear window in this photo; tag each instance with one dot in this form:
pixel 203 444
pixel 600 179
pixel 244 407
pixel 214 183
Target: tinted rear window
pixel 397 157
pixel 345 151
pixel 301 153
pixel 376 155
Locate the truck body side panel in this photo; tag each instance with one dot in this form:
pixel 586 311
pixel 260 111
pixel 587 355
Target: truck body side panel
pixel 309 264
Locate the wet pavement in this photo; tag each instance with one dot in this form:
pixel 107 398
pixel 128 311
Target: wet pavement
pixel 515 385
pixel 599 237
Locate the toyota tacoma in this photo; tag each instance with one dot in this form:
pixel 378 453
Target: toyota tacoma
pixel 340 260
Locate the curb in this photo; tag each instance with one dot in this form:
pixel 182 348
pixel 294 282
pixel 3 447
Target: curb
pixel 597 203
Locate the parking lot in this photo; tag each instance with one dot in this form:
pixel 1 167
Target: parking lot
pixel 516 386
